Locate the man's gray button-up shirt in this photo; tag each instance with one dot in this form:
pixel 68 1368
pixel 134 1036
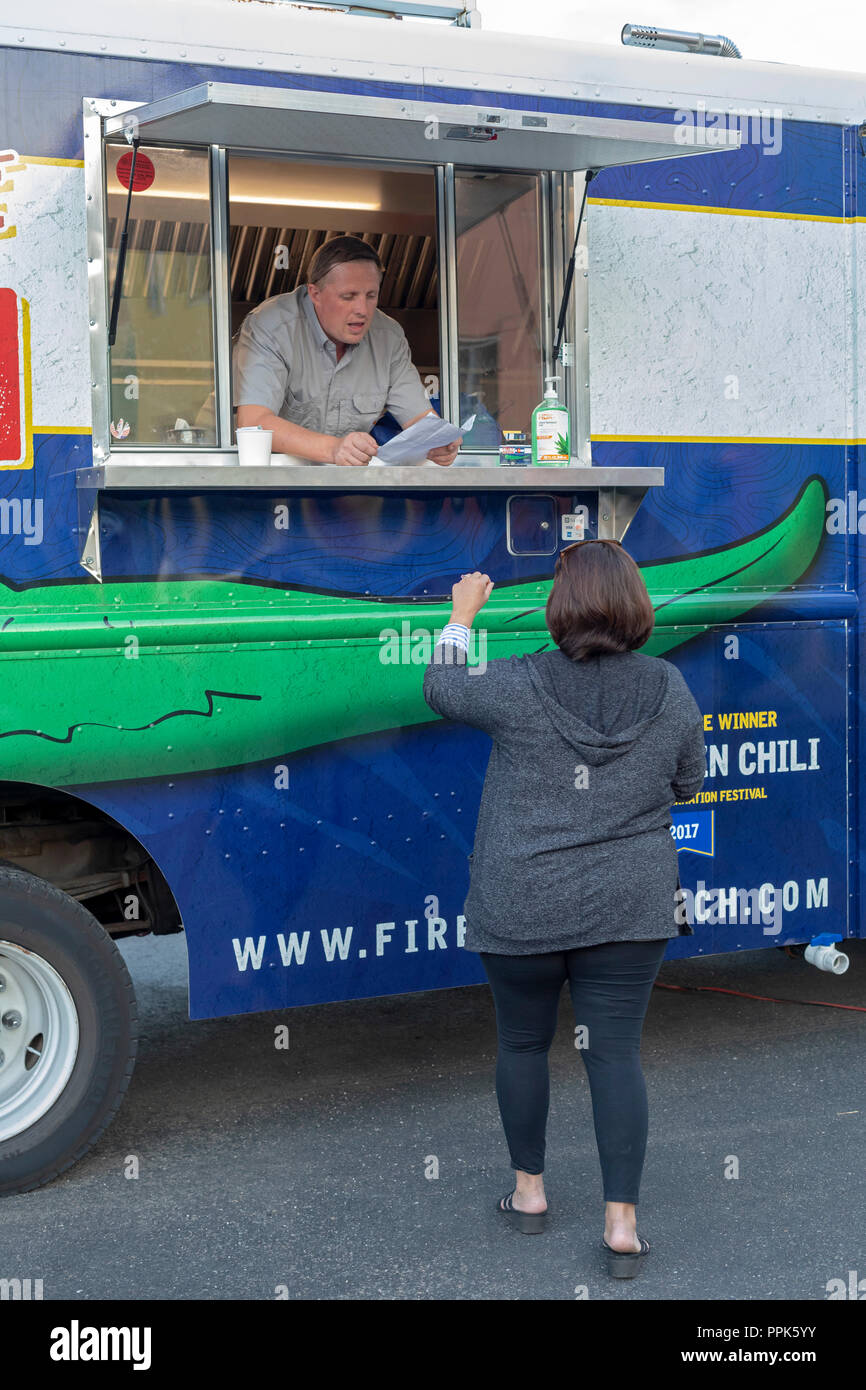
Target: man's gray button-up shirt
pixel 284 361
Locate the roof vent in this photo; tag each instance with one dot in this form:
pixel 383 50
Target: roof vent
pixel 678 41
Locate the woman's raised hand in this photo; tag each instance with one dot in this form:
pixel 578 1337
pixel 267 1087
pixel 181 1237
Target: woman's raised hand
pixel 468 595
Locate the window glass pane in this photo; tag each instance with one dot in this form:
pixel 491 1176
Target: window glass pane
pixel 498 303
pixel 162 362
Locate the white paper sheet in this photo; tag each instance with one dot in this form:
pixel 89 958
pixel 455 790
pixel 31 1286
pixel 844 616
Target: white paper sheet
pixel 413 445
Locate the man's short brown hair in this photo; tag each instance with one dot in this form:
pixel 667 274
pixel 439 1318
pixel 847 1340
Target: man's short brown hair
pixel 599 601
pixel 340 250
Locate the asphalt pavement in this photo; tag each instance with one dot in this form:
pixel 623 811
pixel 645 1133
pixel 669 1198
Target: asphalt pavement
pixel 364 1162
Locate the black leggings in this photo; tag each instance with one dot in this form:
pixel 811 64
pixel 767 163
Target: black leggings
pixel 610 990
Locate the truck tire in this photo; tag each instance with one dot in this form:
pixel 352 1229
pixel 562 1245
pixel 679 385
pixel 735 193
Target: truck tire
pixel 68 1030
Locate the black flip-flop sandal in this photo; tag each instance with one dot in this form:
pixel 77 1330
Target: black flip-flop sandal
pixel 624 1264
pixel 531 1223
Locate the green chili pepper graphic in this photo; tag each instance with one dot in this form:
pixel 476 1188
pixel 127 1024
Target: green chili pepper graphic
pixel 142 678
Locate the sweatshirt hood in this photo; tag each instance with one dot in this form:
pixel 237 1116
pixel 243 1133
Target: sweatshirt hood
pixel 619 695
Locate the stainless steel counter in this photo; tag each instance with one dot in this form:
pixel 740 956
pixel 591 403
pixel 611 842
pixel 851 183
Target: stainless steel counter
pixel 189 475
pixel 620 490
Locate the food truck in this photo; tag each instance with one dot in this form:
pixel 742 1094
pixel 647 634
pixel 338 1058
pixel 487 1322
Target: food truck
pixel 211 709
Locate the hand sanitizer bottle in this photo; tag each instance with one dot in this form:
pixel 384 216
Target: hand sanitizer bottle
pixel 550 444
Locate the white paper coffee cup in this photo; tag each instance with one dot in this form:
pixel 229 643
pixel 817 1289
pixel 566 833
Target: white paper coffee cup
pixel 254 446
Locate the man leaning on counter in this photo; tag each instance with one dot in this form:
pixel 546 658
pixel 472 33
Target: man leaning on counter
pixel 320 365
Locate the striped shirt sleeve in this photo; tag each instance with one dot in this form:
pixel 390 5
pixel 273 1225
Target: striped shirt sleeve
pixel 456 634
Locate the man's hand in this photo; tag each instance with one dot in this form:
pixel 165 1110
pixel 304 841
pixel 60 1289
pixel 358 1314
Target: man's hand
pixel 354 450
pixel 470 595
pixel 447 454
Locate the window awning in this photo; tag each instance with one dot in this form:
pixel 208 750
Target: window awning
pixel 283 120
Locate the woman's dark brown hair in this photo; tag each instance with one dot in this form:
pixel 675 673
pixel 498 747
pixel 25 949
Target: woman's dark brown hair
pixel 599 602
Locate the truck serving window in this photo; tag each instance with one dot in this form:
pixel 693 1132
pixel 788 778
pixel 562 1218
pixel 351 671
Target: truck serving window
pixel 282 210
pixel 236 186
pixel 162 360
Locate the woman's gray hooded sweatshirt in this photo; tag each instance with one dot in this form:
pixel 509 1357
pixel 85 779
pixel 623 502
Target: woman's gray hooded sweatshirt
pixel 573 845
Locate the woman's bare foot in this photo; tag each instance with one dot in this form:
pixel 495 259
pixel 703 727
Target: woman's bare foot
pixel 620 1226
pixel 529 1193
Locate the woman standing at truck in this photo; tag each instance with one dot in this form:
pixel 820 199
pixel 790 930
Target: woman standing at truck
pixel 574 870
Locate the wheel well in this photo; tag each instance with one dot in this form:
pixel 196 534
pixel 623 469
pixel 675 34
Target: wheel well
pixel 61 838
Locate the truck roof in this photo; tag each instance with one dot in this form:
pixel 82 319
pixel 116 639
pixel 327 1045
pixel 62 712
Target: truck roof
pixel 282 38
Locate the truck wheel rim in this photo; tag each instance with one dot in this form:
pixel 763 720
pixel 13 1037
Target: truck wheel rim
pixel 38 1038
